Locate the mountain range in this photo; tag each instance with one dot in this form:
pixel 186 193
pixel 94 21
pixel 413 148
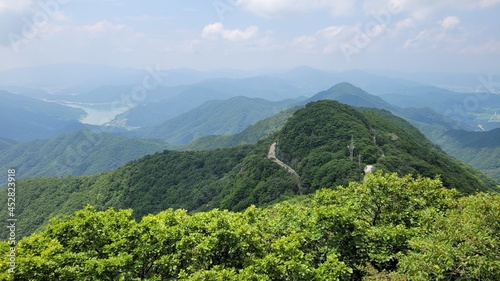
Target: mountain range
pixel 219 124
pixel 314 142
pixel 216 117
pixel 81 152
pixel 24 118
pixel 480 149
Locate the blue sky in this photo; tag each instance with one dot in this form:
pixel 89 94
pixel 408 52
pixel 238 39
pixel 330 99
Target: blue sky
pixel 401 35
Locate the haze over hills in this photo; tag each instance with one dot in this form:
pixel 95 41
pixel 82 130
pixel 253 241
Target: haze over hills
pixel 348 94
pixel 5 143
pixel 250 135
pixel 157 110
pixel 222 117
pixel 262 140
pixel 81 152
pixel 25 118
pixel 190 88
pixel 480 149
pixel 313 142
pixel 183 99
pixel 208 120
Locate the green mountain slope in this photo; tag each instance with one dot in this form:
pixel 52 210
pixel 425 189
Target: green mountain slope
pixel 167 103
pixel 25 118
pixel 430 122
pixel 77 153
pixel 6 143
pixel 218 117
pixel 479 149
pixel 250 135
pixel 471 109
pixel 313 142
pixel 342 92
pixel 173 101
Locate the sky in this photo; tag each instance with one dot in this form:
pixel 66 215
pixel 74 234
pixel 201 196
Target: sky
pixel 397 35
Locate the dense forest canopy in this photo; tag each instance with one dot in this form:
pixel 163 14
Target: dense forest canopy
pixel 383 228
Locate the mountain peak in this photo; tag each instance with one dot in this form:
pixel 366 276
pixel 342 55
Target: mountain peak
pixel 342 86
pixel 349 94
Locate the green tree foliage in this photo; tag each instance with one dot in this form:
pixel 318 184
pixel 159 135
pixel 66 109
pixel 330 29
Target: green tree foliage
pixel 315 142
pixel 460 244
pixel 384 228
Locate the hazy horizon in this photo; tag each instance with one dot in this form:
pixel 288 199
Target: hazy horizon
pixel 396 35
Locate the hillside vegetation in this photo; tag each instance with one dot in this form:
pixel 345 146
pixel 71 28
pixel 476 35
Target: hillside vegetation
pixel 250 135
pixel 217 117
pixel 25 118
pixel 80 152
pixel 384 228
pixel 479 149
pixel 314 141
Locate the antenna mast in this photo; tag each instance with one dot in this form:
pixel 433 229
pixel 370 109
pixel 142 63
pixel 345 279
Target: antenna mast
pixel 351 149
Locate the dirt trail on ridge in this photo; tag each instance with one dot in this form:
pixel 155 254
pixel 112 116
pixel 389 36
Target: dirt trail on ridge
pixel 272 155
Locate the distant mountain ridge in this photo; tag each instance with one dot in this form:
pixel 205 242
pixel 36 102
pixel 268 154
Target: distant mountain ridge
pixel 223 117
pixel 480 149
pixel 349 94
pixel 250 135
pixel 166 103
pixel 76 153
pixel 313 142
pixel 25 118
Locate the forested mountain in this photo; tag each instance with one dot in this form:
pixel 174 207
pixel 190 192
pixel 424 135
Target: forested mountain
pixel 25 118
pixel 222 117
pixel 233 115
pixel 471 109
pixel 250 135
pixel 76 153
pixel 168 103
pixel 163 104
pixel 313 142
pixel 312 80
pixel 479 149
pixel 5 143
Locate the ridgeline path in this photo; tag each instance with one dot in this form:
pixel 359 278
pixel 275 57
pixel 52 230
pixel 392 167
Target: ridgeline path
pixel 272 155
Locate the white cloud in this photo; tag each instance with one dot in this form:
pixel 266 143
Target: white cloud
pixel 331 32
pixel 102 27
pixel 279 8
pixel 212 30
pixel 422 9
pixel 305 42
pixel 15 6
pixel 190 46
pixel 331 39
pixel 449 23
pixel 492 47
pixel 404 24
pixel 217 30
pixel 445 36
